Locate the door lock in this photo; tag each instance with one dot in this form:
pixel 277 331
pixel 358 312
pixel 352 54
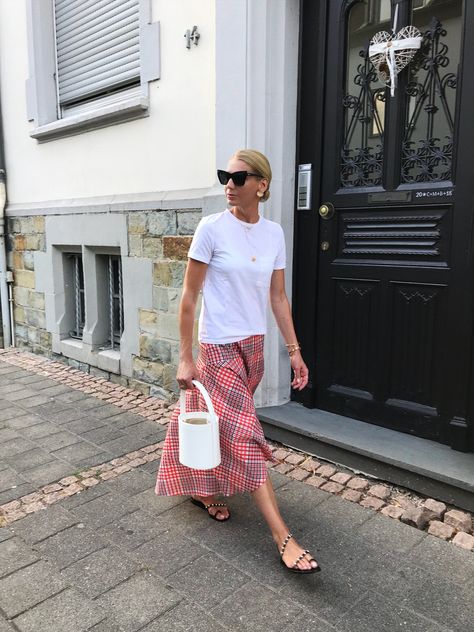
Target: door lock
pixel 324 246
pixel 326 211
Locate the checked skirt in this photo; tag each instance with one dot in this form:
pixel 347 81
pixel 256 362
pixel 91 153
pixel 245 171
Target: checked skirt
pixel 230 373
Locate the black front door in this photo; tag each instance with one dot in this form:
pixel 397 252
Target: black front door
pixel 386 244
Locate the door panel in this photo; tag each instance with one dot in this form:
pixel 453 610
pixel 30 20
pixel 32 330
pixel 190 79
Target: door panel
pixel 388 282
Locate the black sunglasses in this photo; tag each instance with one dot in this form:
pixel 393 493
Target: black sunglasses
pixel 238 177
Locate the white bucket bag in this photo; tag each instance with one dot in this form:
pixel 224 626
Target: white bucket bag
pixel 199 446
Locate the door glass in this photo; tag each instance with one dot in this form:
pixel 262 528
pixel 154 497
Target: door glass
pixel 431 92
pixel 364 98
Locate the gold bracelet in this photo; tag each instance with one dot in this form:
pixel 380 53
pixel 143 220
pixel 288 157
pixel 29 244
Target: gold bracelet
pixel 293 344
pixel 293 350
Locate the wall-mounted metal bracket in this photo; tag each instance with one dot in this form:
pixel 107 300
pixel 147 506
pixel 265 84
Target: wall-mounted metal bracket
pixel 192 36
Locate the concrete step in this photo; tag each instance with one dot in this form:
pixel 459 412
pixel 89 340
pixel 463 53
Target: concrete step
pixel 421 465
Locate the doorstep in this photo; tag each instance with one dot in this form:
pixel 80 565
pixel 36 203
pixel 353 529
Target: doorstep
pixel 424 466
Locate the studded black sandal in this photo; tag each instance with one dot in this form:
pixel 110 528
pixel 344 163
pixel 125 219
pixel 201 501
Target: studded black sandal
pixel 294 568
pixel 200 504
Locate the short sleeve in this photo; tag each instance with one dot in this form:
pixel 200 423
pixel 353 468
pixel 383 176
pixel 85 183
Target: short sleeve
pixel 202 244
pixel 280 259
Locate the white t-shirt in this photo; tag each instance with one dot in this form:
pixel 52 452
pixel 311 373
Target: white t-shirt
pixel 241 259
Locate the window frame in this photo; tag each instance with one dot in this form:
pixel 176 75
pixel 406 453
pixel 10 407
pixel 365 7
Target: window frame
pixel 41 88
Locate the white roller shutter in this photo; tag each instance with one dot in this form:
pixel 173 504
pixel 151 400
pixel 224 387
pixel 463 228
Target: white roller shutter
pixel 97 47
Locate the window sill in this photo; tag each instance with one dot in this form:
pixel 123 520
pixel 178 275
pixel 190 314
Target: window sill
pixel 136 107
pixel 107 359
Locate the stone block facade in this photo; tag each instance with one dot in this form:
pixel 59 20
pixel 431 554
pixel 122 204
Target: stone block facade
pixel 161 236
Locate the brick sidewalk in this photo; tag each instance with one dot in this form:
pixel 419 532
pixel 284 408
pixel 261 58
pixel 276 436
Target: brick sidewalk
pixel 94 549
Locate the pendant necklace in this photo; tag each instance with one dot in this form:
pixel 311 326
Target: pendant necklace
pixel 247 227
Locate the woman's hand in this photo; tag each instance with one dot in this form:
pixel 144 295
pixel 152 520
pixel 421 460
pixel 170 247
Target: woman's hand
pixel 301 373
pixel 187 371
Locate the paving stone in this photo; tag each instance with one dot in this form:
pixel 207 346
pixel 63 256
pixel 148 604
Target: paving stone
pixel 124 445
pixel 76 396
pixel 70 545
pixel 418 517
pixel 35 400
pixel 10 411
pixel 372 503
pixel 47 473
pixel 39 430
pixel 29 586
pixel 298 474
pixel 295 458
pixel 132 530
pixel 105 509
pixel 335 510
pixel 15 492
pixel 326 470
pixel 185 617
pixel 109 411
pixel 30 459
pixel 5 534
pixel 332 488
pixel 125 420
pixel 42 525
pixel 379 531
pixel 249 608
pixel 137 601
pixel 358 483
pixel 464 540
pixel 52 391
pixel 341 477
pixel 316 481
pixel 17 394
pixel 78 452
pixel 131 483
pixel 283 468
pixel 352 495
pixel 100 571
pixel 459 520
pixel 441 530
pixel 58 440
pixel 9 478
pixel 107 625
pixel 277 479
pixel 51 407
pixel 14 555
pixel 67 416
pixel 26 424
pixel 392 512
pixel 437 508
pixel 84 497
pixel 280 454
pixel 379 491
pixel 15 446
pixel 104 433
pixel 208 580
pixel 311 465
pixel 68 611
pixel 168 553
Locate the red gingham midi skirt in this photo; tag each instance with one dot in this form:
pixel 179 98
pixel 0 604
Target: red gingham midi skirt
pixel 230 373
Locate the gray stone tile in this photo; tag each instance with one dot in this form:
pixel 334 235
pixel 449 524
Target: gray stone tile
pixel 132 530
pixel 25 421
pixel 108 411
pixel 43 524
pixel 119 447
pixel 5 534
pixel 151 468
pixel 45 410
pixel 15 446
pixel 27 460
pixel 30 379
pixel 29 586
pixel 433 554
pixel 307 621
pixel 131 483
pixel 6 434
pixel 35 400
pixel 149 501
pixel 381 531
pixel 185 617
pixel 107 625
pixel 81 425
pixel 70 545
pixel 125 420
pixel 53 391
pixel 9 478
pixel 67 415
pixel 18 373
pixel 19 395
pixel 377 612
pixel 48 473
pixel 449 604
pixel 84 497
pixel 278 480
pixel 39 430
pixel 16 491
pixel 5 626
pixel 41 382
pixel 168 553
pixel 105 509
pixel 10 411
pixel 104 433
pixel 87 402
pixel 146 429
pixel 337 511
pixel 67 612
pixel 137 601
pixel 15 554
pixel 6 389
pixel 100 571
pixel 78 452
pixel 88 462
pixel 75 396
pixel 208 580
pixel 58 440
pixel 249 608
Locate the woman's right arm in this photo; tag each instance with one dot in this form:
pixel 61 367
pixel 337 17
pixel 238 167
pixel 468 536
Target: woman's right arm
pixel 193 281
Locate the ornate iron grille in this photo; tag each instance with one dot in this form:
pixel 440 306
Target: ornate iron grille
pixel 362 148
pixel 79 300
pixel 429 158
pixel 115 300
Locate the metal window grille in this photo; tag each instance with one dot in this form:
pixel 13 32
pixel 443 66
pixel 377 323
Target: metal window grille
pixel 115 300
pixel 79 299
pixel 97 48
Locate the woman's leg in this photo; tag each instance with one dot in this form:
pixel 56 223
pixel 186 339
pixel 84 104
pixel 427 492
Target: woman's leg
pixel 265 500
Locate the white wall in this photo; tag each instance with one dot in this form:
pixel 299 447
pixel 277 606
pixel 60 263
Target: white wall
pixel 173 149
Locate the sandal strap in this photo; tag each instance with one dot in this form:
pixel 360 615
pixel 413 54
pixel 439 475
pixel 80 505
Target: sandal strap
pixel 300 558
pixel 285 542
pixel 215 505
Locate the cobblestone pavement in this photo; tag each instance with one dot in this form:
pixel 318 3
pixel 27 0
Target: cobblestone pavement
pixel 93 548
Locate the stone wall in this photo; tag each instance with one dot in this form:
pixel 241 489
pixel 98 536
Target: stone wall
pixel 25 235
pixel 165 237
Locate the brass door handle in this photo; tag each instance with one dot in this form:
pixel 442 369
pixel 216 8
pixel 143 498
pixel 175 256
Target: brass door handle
pixel 326 211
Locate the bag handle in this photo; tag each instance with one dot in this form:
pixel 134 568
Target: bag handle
pixel 204 393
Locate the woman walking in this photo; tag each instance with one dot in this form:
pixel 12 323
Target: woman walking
pixel 237 259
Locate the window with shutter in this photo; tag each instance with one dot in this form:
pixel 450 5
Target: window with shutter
pixel 97 48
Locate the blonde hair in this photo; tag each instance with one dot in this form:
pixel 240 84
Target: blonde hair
pixel 257 163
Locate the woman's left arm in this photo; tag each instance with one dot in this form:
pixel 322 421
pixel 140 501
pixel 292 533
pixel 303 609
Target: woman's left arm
pixel 282 312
